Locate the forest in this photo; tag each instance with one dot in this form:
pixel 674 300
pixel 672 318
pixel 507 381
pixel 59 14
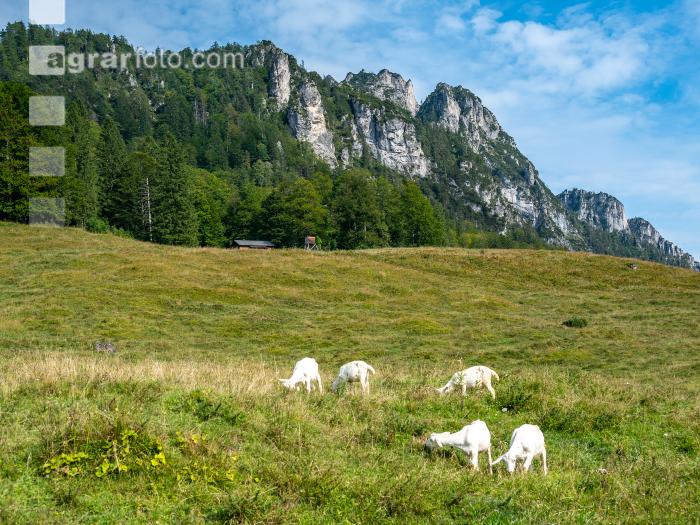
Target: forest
pixel 199 159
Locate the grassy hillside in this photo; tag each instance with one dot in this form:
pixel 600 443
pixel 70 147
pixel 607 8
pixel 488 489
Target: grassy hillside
pixel 187 424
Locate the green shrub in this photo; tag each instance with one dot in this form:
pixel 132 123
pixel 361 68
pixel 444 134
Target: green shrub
pixel 96 225
pixel 517 395
pixel 120 449
pixel 205 406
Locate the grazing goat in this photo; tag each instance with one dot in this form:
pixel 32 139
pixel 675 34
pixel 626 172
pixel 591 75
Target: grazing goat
pixel 472 439
pixel 305 371
pixel 471 378
pixel 526 443
pixel 353 372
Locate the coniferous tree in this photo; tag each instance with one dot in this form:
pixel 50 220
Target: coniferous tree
pixel 82 184
pixel 15 139
pixel 133 112
pixel 356 212
pixel 244 217
pixel 212 198
pixel 293 211
pixel 112 161
pixel 143 171
pixel 174 215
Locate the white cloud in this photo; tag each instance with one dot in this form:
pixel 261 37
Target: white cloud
pixel 452 19
pixel 314 15
pixel 450 23
pixel 484 20
pixel 584 59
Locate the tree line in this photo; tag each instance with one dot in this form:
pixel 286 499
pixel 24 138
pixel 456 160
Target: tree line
pixel 148 190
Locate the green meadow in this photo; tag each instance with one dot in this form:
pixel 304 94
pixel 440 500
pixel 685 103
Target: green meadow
pixel 187 423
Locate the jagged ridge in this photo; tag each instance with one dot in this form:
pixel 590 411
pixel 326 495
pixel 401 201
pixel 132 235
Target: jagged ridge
pixel 385 121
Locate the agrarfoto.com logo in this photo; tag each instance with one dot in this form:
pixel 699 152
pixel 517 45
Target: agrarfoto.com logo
pixel 53 60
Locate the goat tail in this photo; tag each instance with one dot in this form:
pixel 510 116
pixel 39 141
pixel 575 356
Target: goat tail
pixel 493 373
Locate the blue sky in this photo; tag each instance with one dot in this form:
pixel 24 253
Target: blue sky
pixel 600 95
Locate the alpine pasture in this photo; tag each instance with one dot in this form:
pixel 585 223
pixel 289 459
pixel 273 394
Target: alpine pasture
pixel 186 422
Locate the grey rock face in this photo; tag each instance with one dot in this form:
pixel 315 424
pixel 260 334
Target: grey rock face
pixel 354 147
pixel 280 79
pixel 513 191
pixel 460 111
pixel 392 141
pixel 308 122
pixel 386 86
pixel 276 62
pixel 520 205
pixel 597 209
pixel 645 233
pixel 605 212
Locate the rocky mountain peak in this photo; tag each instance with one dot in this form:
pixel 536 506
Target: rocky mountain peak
pixel 597 209
pixel 276 61
pixel 386 86
pixel 507 183
pixel 461 111
pixel 645 233
pixel 604 212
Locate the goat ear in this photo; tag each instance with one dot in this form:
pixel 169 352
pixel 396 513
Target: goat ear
pixel 281 380
pixel 498 460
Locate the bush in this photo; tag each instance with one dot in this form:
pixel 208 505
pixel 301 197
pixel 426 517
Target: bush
pixel 96 225
pixel 120 449
pixel 576 322
pixel 206 405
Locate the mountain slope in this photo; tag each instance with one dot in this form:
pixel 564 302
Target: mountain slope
pixel 636 237
pixel 275 120
pixel 191 406
pixel 506 184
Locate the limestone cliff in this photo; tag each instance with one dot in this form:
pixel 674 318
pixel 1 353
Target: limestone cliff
pixel 597 209
pixel 392 141
pixel 460 111
pixel 386 86
pixel 604 213
pixel 307 121
pixel 457 146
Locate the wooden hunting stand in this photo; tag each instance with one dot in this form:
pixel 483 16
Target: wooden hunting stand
pixel 310 243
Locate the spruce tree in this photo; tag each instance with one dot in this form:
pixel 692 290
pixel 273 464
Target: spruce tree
pixel 112 162
pixel 174 215
pixel 82 184
pixel 356 212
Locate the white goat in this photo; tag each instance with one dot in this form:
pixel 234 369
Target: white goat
pixel 305 371
pixel 526 443
pixel 471 378
pixel 472 439
pixel 353 372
